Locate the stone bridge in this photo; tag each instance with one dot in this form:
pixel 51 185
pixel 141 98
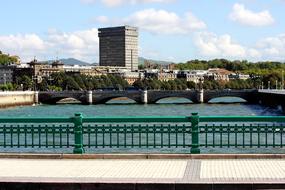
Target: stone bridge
pixel 88 97
pixel 247 94
pixel 49 97
pixel 101 97
pixel 272 98
pixel 150 97
pixel 156 95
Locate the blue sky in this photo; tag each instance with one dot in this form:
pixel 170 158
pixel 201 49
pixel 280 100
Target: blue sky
pixel 174 30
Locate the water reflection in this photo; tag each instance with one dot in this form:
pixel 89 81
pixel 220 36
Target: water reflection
pixel 227 100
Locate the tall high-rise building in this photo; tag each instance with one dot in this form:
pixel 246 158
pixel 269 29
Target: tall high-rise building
pixel 119 47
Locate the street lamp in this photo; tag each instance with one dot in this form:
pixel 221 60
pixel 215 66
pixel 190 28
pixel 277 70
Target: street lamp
pixel 4 78
pixel 201 80
pixel 268 85
pixel 262 85
pixel 276 82
pixel 35 80
pixel 50 79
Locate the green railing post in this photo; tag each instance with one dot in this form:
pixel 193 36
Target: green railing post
pixel 78 134
pixel 195 133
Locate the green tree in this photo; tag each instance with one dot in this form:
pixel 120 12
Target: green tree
pixel 139 84
pixel 7 87
pixel 24 81
pixel 6 59
pixel 79 81
pixel 71 84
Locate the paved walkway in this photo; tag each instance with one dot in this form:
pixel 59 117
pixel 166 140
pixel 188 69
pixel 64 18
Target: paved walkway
pixel 145 171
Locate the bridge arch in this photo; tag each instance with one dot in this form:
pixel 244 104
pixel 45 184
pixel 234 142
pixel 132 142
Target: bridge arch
pixel 247 95
pixel 155 96
pixel 107 99
pixel 54 97
pixel 121 100
pixel 182 99
pixel 227 99
pixel 55 100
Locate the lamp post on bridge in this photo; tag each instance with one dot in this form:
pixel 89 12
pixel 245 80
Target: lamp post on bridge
pixel 50 79
pixel 268 85
pixel 4 78
pixel 35 80
pixel 201 81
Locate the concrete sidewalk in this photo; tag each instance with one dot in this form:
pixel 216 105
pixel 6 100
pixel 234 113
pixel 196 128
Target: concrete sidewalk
pixel 159 171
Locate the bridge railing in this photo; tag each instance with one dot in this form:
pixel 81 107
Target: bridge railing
pixel 242 131
pixel 189 133
pixel 40 133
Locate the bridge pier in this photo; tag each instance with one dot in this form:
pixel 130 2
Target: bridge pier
pixel 144 98
pixel 89 97
pixel 200 96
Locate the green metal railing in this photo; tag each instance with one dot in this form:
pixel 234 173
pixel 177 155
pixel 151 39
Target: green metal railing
pixel 189 133
pixel 242 132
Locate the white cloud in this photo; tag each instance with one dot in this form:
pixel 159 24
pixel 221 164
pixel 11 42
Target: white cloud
pixel 211 45
pixel 18 42
pixel 273 46
pixel 160 22
pixel 193 23
pixel 80 44
pixel 88 1
pixel 254 53
pixel 26 45
pixel 114 3
pixel 249 18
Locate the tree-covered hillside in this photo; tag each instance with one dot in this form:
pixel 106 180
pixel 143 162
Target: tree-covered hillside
pixel 246 67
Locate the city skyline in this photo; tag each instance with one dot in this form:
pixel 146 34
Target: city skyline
pixel 170 30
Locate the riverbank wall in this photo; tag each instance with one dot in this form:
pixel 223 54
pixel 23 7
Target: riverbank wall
pixel 17 98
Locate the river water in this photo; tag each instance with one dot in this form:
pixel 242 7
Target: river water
pixel 170 106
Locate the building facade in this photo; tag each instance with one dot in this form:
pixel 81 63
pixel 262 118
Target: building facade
pixel 131 77
pixel 118 46
pixel 6 74
pixel 219 74
pixel 195 76
pixel 44 69
pixel 83 70
pixel 166 76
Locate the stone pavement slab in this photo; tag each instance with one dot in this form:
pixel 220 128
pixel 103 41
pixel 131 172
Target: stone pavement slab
pixel 87 169
pixel 179 171
pixel 242 169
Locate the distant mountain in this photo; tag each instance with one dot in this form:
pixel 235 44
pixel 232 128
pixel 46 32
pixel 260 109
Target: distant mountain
pixel 73 61
pixel 158 62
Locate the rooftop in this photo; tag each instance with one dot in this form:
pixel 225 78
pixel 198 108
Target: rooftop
pixel 119 28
